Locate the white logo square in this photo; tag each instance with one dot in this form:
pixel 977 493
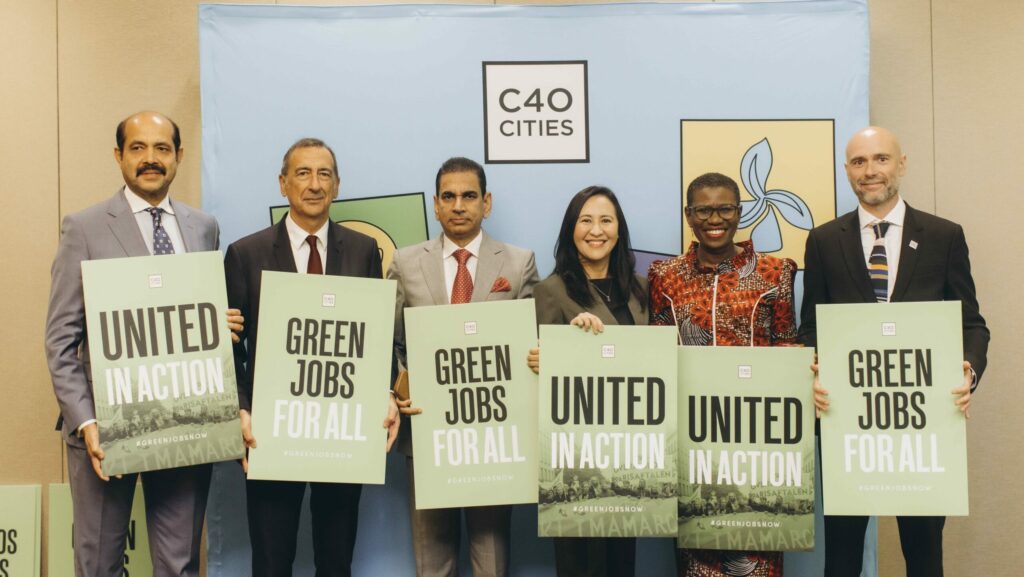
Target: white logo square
pixel 536 112
pixel 470 327
pixel 888 329
pixel 156 281
pixel 327 300
pixel 607 351
pixel 744 371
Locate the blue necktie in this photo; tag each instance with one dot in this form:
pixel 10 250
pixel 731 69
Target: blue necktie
pixel 878 263
pixel 161 242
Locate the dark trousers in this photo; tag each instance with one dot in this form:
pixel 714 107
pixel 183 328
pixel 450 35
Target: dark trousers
pixel 274 508
pixel 595 556
pixel 920 538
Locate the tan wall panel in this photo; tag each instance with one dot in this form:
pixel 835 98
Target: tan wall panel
pixel 31 452
pixel 116 58
pixel 28 175
pixel 978 150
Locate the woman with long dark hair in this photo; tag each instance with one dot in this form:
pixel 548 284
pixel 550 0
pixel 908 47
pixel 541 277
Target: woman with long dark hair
pixel 593 284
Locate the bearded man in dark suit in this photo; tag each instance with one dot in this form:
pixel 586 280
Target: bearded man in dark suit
pixel 932 264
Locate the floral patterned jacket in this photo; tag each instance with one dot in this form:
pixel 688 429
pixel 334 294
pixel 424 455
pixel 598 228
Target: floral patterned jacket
pixel 746 300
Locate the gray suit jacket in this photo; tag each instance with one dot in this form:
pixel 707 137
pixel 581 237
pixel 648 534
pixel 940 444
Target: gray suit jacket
pixel 419 271
pixel 105 230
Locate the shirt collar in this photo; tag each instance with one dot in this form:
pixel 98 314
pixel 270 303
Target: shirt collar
pixel 894 218
pixel 138 204
pixel 297 235
pixel 448 246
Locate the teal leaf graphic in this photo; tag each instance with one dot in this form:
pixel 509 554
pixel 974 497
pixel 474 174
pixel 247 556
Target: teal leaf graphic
pixel 766 236
pixel 791 207
pixel 754 170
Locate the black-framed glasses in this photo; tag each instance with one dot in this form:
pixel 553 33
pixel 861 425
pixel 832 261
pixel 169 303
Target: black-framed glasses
pixel 725 211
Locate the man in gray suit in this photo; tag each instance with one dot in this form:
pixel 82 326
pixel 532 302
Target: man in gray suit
pixel 139 220
pixel 462 265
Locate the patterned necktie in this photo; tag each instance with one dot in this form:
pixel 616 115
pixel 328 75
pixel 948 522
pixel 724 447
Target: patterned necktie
pixel 314 266
pixel 462 289
pixel 878 264
pixel 161 242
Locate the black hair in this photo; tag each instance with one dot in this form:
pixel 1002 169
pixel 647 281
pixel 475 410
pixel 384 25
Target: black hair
pixel 620 266
pixel 711 180
pixel 461 164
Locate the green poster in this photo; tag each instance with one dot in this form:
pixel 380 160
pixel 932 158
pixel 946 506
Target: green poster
pixel 163 375
pixel 323 371
pixel 394 221
pixel 60 558
pixel 892 441
pixel 608 432
pixel 20 528
pixel 476 441
pixel 746 456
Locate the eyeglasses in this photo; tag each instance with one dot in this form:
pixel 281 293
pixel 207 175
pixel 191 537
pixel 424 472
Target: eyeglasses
pixel 725 211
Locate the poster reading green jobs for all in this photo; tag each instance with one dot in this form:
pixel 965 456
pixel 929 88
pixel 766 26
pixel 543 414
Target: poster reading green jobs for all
pixel 746 474
pixel 892 440
pixel 476 441
pixel 163 376
pixel 20 530
pixel 322 376
pixel 607 432
pixel 60 558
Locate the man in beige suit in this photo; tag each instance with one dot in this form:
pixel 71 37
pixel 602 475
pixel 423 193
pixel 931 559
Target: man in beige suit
pixel 462 265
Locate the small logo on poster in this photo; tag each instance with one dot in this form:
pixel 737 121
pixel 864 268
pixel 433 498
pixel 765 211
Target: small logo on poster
pixel 888 329
pixel 327 300
pixel 744 371
pixel 535 112
pixel 607 351
pixel 156 281
pixel 470 327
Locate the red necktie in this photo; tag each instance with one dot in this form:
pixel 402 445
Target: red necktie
pixel 314 266
pixel 462 290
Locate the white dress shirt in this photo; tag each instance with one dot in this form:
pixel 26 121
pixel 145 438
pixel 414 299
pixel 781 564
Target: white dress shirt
pixel 300 248
pixel 893 238
pixel 140 208
pixel 451 266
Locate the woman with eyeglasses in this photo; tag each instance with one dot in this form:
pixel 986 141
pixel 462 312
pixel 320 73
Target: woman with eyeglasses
pixel 723 293
pixel 593 284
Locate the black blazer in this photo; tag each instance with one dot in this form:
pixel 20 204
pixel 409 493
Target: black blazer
pixel 937 268
pixel 349 253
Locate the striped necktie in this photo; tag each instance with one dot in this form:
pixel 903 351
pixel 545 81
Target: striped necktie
pixel 878 264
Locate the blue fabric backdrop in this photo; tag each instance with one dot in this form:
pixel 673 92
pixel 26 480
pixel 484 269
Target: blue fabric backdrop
pixel 395 90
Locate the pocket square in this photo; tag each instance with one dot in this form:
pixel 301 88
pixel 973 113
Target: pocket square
pixel 501 285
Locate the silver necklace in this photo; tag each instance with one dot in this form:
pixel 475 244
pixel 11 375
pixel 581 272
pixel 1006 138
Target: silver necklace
pixel 607 297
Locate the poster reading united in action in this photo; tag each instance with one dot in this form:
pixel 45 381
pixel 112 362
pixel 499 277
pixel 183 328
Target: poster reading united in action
pixel 163 377
pixel 746 419
pixel 608 432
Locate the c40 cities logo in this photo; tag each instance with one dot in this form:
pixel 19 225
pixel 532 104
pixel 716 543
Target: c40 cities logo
pixel 785 170
pixel 535 112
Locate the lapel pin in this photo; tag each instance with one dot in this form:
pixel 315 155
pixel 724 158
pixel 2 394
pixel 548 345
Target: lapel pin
pixel 913 244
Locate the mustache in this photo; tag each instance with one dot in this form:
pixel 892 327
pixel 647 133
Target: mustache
pixel 150 166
